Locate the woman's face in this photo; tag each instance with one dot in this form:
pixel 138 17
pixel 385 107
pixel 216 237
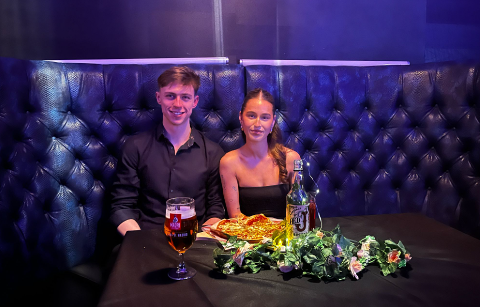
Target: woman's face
pixel 257 119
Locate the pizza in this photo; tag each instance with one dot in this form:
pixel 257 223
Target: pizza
pixel 249 228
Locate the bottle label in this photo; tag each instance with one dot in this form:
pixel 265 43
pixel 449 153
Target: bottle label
pixel 298 218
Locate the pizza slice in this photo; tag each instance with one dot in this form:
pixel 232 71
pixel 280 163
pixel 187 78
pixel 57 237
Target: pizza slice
pixel 250 228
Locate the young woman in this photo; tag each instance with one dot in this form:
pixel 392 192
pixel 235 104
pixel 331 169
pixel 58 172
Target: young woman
pixel 256 178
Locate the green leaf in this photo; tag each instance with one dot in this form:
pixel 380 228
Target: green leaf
pixel 368 238
pixel 381 255
pixel 402 248
pixel 381 246
pixel 254 267
pixel 231 239
pixel 327 241
pixel 384 268
pixel 309 258
pixel 390 242
pixel 218 252
pixel 276 254
pixel 402 263
pixel 330 270
pixel 343 242
pixel 392 245
pixel 221 257
pixel 337 230
pixel 392 267
pixel 290 257
pixel 279 237
pixel 318 267
pixel 312 240
pixel 327 252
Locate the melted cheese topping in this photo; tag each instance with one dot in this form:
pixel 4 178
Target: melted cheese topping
pixel 254 227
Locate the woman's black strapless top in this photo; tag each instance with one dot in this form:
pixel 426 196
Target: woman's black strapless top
pixel 268 200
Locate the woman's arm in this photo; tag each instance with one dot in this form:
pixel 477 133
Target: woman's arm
pixel 230 185
pixel 291 156
pixel 214 205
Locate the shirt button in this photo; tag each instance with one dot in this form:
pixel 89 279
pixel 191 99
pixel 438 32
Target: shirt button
pixel 171 190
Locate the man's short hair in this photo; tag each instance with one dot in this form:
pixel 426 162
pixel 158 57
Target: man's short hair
pixel 182 74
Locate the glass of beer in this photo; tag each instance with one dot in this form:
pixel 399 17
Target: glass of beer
pixel 181 230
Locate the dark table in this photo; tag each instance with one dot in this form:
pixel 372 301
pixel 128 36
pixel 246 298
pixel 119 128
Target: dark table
pixel 444 271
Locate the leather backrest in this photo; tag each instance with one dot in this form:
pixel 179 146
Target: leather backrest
pixel 377 140
pixel 63 126
pixel 384 139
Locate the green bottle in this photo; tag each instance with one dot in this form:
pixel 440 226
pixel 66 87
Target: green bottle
pixel 298 219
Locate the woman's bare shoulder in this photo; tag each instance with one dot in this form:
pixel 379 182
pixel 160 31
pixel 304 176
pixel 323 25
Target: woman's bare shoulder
pixel 291 154
pixel 230 158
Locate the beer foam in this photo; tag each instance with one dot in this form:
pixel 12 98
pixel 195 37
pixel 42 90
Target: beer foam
pixel 185 211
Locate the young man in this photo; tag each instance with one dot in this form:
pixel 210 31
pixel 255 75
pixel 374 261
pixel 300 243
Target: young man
pixel 173 160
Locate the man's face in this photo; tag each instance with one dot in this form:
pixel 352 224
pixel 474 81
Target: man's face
pixel 177 102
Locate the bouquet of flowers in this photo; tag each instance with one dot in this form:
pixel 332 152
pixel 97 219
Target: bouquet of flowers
pixel 318 253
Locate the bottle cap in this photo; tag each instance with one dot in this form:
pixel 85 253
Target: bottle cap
pixel 297 165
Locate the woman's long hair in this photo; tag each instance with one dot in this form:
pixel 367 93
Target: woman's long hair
pixel 274 139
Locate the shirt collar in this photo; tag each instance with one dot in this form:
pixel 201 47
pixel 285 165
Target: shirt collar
pixel 193 139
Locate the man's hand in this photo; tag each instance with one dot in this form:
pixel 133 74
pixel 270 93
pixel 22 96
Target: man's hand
pixel 128 225
pixel 211 221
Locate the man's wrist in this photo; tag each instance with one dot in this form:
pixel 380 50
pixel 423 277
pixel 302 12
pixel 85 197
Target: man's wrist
pixel 128 225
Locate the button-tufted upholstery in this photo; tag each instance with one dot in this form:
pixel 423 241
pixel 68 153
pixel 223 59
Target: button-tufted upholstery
pixel 384 139
pixel 378 140
pixel 62 128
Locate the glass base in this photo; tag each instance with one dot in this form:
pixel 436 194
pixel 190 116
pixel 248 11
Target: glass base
pixel 181 274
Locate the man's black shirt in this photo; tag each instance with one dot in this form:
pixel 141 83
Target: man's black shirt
pixel 149 173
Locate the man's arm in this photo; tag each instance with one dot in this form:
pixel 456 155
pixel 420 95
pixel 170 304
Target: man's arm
pixel 215 208
pixel 124 213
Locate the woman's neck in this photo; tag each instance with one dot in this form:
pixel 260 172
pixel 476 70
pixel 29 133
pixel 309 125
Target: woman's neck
pixel 257 150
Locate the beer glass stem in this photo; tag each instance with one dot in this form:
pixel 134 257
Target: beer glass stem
pixel 181 266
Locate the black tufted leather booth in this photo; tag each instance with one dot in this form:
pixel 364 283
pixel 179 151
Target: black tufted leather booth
pixel 378 140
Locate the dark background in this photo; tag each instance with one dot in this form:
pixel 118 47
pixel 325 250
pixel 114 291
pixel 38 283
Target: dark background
pixel 411 30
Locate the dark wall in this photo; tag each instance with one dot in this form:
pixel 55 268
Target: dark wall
pixel 331 30
pixel 412 30
pixel 452 30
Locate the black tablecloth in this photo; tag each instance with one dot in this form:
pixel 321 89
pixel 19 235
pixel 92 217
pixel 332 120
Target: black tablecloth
pixel 444 271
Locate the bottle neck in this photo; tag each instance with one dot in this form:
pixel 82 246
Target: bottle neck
pixel 298 179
